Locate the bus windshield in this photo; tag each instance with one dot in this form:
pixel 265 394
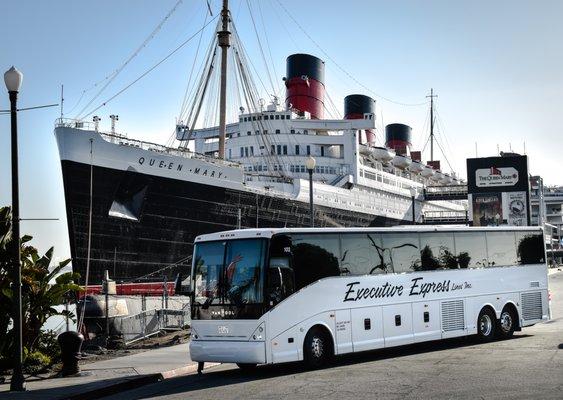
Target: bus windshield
pixel 229 272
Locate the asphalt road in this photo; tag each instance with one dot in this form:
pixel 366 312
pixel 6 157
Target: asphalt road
pixel 528 366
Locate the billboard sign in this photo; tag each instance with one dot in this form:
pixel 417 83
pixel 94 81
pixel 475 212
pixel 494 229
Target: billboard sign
pixel 495 184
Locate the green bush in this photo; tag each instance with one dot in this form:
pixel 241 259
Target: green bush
pixel 36 362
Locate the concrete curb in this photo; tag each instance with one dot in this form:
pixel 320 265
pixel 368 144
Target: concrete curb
pixel 134 382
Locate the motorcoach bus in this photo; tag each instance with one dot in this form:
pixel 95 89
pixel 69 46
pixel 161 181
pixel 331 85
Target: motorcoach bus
pixel 263 296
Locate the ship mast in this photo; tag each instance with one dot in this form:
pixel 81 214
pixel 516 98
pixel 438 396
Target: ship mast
pixel 432 95
pixel 224 42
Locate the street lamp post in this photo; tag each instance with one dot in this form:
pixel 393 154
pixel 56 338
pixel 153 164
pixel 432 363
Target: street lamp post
pixel 13 79
pixel 310 167
pixel 466 208
pixel 413 196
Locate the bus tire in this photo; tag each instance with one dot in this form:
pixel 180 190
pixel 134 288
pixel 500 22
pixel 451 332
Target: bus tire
pixel 246 367
pixel 317 348
pixel 486 325
pixel 507 322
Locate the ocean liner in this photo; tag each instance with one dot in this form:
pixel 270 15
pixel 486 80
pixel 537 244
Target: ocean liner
pixel 134 207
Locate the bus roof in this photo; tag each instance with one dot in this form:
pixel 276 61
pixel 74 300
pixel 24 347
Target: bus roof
pixel 269 232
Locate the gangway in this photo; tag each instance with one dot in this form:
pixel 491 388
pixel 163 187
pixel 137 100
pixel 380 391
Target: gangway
pixel 445 218
pixel 450 192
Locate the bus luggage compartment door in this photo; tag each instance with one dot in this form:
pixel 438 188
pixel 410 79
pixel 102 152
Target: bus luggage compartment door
pixel 367 328
pixel 426 321
pixel 397 324
pixel 343 331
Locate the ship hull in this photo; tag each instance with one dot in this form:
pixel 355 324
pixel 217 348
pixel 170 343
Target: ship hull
pixel 143 225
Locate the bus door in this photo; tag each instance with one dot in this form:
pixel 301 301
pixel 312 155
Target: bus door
pixel 280 276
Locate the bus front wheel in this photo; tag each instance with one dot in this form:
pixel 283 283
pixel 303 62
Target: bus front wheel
pixel 317 348
pixel 486 324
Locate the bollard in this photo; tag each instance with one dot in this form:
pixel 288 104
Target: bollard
pixel 70 343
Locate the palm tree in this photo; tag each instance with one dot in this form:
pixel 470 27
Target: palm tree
pixel 43 288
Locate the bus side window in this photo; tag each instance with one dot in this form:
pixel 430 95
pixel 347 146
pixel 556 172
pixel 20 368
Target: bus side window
pixel 501 248
pixel 471 249
pixel 530 248
pixel 315 256
pixel 362 254
pixel 401 252
pixel 437 251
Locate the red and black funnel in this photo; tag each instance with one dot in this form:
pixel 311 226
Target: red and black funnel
pixel 304 81
pixel 355 106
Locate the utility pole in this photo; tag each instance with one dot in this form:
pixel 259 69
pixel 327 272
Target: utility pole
pixel 432 95
pixel 224 42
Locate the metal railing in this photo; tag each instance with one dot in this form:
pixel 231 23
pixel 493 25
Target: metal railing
pixel 150 322
pixel 123 140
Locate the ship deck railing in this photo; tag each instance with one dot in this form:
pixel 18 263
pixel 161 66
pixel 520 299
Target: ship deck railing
pixel 123 140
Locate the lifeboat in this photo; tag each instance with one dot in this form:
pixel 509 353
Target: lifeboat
pixel 438 176
pixel 416 167
pixel 401 162
pixel 382 154
pixel 427 171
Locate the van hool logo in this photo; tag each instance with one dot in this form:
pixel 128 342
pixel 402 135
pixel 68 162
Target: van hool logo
pixel 506 176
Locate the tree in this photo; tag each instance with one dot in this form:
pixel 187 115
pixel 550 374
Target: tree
pixel 42 289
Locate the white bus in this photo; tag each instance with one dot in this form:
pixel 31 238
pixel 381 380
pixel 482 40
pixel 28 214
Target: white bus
pixel 263 296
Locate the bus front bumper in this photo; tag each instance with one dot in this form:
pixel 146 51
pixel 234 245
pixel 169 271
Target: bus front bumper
pixel 228 351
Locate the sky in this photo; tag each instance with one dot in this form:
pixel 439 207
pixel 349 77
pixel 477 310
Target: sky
pixel 496 66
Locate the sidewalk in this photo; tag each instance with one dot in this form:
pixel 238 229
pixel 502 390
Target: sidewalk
pixel 107 377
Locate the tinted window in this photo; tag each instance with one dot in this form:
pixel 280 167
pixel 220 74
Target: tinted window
pixel 243 272
pixel 530 248
pixel 437 251
pixel 208 266
pixel 362 254
pixel 315 257
pixel 401 252
pixel 501 248
pixel 471 249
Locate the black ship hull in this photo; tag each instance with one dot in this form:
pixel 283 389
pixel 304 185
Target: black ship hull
pixel 144 226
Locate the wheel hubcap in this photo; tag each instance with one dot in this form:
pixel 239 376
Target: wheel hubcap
pixel 506 321
pixel 486 325
pixel 317 347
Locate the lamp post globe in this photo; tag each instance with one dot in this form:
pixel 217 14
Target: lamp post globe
pixel 13 80
pixel 413 196
pixel 310 164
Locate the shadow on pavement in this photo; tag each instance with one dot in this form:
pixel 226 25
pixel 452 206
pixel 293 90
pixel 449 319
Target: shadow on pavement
pixel 85 390
pixel 212 379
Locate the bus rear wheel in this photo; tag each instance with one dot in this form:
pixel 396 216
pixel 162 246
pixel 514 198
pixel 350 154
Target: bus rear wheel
pixel 506 323
pixel 317 348
pixel 486 325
